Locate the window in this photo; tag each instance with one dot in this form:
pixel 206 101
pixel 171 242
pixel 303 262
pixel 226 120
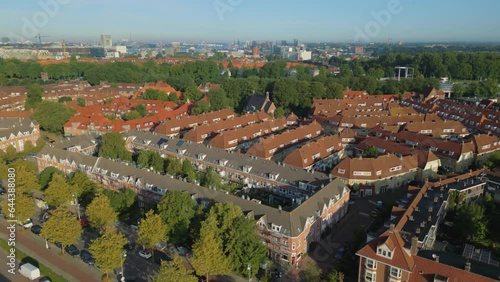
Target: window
pixel 395 272
pixel 371 264
pixel 370 276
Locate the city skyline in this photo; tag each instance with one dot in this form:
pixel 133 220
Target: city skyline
pixel 224 20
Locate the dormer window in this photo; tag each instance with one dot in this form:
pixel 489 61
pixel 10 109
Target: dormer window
pixel 273 176
pixel 181 151
pixel 384 251
pixel 247 168
pixel 276 228
pixel 223 162
pixel 201 156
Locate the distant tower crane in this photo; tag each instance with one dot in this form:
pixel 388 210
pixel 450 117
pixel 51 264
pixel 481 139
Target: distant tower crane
pixel 40 39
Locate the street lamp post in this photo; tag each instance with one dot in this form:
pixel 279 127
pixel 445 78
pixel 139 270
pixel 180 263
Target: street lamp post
pixel 249 273
pixel 123 273
pixel 77 206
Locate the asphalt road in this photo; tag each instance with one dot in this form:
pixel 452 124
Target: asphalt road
pixel 4 274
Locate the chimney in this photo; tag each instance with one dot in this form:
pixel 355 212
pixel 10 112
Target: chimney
pixel 436 259
pixel 467 266
pixel 414 246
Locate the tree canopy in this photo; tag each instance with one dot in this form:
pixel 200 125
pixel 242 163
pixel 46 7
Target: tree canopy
pixel 113 147
pixel 174 271
pixel 62 226
pixel 52 116
pixel 58 191
pixel 100 212
pixel 152 230
pixel 107 250
pixel 176 209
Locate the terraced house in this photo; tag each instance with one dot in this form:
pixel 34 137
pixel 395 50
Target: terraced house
pixel 405 251
pixel 317 155
pixel 290 184
pixel 274 144
pixel 377 175
pixel 287 233
pixel 17 131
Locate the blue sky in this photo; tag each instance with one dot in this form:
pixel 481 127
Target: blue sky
pixel 228 20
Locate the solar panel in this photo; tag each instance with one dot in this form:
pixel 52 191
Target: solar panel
pixel 468 251
pixel 179 143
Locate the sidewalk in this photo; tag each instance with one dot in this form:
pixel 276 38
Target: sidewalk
pixel 58 264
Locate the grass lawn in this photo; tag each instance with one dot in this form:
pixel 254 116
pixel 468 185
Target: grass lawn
pixel 22 257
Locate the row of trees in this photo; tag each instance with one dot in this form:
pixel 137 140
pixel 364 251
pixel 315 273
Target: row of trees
pixel 457 65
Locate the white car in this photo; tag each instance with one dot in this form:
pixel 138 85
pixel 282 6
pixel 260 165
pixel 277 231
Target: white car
pixel 145 254
pixel 27 224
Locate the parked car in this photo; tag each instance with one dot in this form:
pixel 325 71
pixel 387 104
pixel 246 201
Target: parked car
pixel 2 191
pixel 45 279
pixel 161 246
pixel 26 224
pixel 86 256
pixel 72 250
pixel 36 229
pixel 58 244
pixel 374 213
pixel 145 254
pixel 84 222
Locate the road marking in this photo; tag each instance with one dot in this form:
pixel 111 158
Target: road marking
pixel 364 214
pixel 372 202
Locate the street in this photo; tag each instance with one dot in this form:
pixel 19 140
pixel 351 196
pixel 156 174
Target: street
pixel 4 274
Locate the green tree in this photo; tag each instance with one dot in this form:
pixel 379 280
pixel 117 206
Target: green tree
pixel 192 94
pixel 24 207
pixel 141 109
pixel 470 223
pixel 62 226
pixel 218 99
pixel 46 176
pixel 174 166
pixel 107 250
pixel 174 271
pixel 113 147
pixel 143 158
pixel 10 153
pixel 177 209
pixel 318 90
pixel 26 179
pixel 333 90
pixel 200 107
pixel 188 170
pixel 28 146
pixel 457 90
pixel 370 152
pixel 156 162
pixel 80 102
pixel 84 188
pixel 312 272
pixel 121 200
pixel 52 116
pixel 209 257
pixel 33 96
pixel 152 230
pixel 212 179
pixel 100 212
pixel 58 191
pixel 455 199
pixel 493 160
pixel 279 112
pixel 64 99
pixel 131 115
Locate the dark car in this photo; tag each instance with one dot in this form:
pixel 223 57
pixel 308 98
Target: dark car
pixel 86 256
pixel 36 229
pixel 2 191
pixel 45 279
pixel 72 250
pixel 58 244
pixel 84 222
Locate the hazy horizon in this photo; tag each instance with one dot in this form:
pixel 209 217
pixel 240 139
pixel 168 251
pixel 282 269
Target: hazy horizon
pixel 446 21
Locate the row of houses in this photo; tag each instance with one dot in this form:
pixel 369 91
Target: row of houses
pixel 268 147
pixel 199 134
pixel 16 132
pixel 286 233
pixel 405 251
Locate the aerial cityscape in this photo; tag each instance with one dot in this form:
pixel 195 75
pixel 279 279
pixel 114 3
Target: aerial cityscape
pixel 233 141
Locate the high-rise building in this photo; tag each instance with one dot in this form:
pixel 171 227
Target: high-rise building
pixel 106 41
